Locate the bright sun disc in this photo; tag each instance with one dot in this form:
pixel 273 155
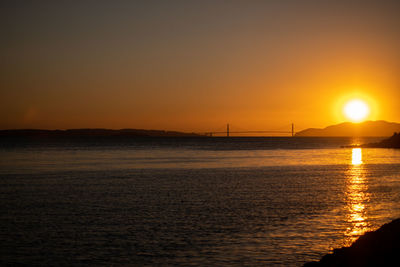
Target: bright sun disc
pixel 356 110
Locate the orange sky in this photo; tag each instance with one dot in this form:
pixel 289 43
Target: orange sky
pixel 195 66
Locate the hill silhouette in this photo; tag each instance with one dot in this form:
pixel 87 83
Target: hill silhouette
pixel 369 128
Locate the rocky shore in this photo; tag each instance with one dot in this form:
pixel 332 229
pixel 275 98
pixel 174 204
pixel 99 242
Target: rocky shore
pixel 377 248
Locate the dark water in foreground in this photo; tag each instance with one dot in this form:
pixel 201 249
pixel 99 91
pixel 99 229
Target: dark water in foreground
pixel 236 201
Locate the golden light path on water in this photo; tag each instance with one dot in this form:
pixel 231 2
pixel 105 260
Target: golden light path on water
pixel 357 197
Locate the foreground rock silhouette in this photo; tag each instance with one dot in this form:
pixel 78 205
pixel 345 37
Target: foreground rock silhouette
pixel 377 248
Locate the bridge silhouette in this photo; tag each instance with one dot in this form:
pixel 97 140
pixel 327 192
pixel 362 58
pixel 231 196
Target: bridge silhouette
pixel 227 132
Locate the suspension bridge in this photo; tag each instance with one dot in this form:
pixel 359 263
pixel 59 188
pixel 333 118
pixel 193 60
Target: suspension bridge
pixel 228 132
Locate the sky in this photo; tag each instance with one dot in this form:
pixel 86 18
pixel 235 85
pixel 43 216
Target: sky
pixel 196 65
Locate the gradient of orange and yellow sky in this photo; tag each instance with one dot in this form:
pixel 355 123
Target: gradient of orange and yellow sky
pixel 196 65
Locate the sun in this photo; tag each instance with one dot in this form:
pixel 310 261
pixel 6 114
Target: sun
pixel 356 110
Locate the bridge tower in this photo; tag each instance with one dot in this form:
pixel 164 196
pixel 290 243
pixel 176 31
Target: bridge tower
pixel 292 129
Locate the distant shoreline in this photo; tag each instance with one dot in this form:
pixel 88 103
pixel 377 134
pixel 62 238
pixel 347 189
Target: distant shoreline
pixel 99 132
pixel 95 133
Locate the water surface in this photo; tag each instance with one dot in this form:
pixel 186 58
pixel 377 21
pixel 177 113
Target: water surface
pixel 210 201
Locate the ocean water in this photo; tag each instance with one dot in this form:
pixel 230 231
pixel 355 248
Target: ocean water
pixel 190 201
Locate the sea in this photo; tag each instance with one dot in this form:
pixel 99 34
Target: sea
pixel 190 201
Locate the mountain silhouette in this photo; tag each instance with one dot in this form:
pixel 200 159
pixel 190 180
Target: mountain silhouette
pixel 369 128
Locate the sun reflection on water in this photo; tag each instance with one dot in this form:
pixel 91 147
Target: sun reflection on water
pixel 356 158
pixel 357 197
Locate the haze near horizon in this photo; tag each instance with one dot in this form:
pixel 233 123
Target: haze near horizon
pixel 195 66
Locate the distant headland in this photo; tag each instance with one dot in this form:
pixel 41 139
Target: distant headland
pixel 391 142
pixel 369 128
pixel 93 133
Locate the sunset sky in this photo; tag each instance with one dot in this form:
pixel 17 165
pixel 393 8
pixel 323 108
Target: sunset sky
pixel 196 65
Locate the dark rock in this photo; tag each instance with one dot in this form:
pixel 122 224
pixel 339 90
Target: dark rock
pixel 378 248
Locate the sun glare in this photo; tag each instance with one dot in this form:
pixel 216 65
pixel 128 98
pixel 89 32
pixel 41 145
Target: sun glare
pixel 356 110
